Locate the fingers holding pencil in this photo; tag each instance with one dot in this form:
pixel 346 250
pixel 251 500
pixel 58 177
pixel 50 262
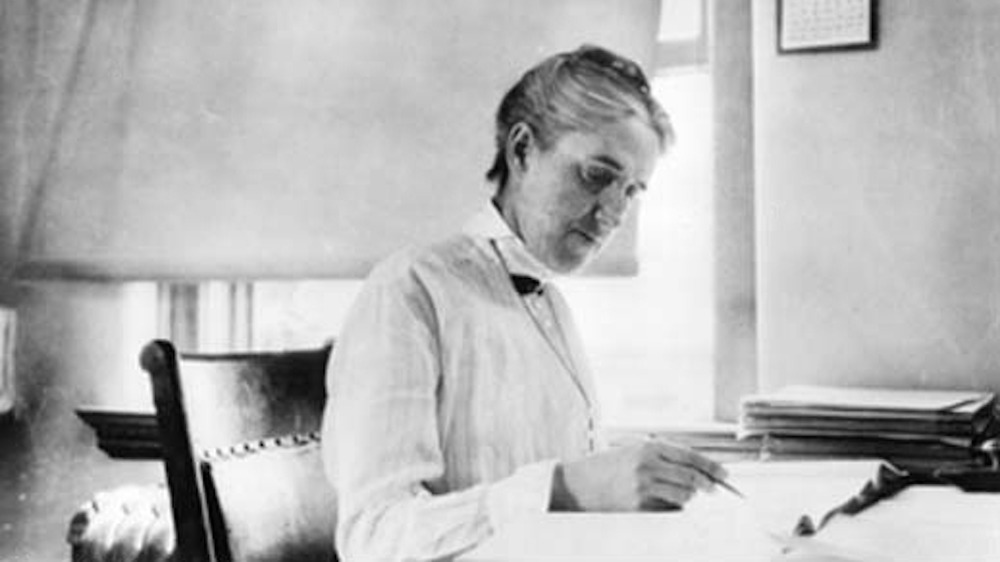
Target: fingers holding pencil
pixel 650 475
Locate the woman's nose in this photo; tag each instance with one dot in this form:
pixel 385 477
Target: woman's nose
pixel 612 204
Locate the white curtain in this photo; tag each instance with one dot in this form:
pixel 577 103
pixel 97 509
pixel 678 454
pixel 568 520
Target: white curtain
pixel 193 139
pixel 63 72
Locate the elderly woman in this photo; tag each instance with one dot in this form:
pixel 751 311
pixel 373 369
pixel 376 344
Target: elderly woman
pixel 460 396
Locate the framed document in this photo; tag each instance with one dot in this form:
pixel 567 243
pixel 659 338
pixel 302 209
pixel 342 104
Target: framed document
pixel 824 25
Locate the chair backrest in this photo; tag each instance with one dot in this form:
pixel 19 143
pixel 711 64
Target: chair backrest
pixel 240 436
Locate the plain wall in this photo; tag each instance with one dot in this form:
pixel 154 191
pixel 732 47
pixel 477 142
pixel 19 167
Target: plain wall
pixel 878 208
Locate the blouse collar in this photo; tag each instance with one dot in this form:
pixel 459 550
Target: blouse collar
pixel 488 223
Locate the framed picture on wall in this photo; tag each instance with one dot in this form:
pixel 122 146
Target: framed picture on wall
pixel 825 25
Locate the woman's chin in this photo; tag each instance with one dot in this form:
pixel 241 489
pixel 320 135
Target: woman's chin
pixel 575 258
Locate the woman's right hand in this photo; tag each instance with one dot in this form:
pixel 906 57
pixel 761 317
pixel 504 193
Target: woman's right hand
pixel 651 475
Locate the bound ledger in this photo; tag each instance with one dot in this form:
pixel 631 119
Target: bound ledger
pixel 912 428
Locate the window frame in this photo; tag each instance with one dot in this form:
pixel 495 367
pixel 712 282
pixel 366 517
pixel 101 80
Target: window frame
pixel 725 45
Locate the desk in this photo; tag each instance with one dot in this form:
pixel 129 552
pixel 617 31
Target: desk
pixel 922 523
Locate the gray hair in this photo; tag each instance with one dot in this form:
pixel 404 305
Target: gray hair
pixel 575 91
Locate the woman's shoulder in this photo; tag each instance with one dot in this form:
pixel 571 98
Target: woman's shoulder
pixel 450 258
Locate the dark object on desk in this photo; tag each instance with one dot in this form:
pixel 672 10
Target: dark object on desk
pixel 241 452
pixel 886 483
pixel 123 435
pixel 986 479
pixel 890 480
pixel 976 478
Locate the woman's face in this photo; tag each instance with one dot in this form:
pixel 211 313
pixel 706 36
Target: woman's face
pixel 566 201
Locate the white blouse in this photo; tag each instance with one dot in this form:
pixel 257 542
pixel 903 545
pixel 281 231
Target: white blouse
pixel 451 398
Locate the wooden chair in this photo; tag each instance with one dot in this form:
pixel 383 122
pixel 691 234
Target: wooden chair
pixel 240 436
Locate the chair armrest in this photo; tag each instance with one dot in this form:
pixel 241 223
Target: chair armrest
pixel 129 523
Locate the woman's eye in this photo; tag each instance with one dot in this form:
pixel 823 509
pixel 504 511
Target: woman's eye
pixel 597 177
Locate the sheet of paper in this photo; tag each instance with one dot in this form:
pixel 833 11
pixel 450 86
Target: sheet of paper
pixel 636 537
pixel 712 527
pixel 778 494
pixel 858 398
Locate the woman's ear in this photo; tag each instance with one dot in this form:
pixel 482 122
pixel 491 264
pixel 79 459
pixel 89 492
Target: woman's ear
pixel 520 141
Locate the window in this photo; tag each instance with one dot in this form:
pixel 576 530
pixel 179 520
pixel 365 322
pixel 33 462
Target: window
pixel 218 316
pixel 7 337
pixel 650 337
pixel 300 314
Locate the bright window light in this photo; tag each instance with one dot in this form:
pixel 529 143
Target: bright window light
pixel 650 337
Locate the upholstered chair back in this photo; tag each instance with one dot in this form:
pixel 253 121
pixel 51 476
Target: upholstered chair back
pixel 240 437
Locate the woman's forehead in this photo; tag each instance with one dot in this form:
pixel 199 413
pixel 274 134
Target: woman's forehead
pixel 631 143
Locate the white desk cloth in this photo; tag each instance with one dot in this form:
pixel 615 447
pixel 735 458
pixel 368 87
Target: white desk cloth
pixel 921 524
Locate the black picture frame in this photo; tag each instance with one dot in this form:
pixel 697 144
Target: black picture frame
pixel 812 26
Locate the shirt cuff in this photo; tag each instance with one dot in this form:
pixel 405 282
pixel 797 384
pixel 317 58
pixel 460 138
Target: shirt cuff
pixel 527 490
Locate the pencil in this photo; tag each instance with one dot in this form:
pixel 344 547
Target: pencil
pixel 722 483
pixel 728 486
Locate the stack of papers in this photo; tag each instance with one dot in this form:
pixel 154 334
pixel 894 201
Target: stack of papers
pixel 908 427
